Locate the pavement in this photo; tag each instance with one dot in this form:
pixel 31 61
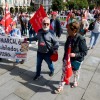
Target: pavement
pixel 16 80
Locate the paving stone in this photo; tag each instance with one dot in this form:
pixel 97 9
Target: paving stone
pixel 88 68
pixel 8 88
pixel 12 97
pixel 5 78
pixel 96 53
pixel 92 61
pixel 85 78
pixel 92 92
pixel 24 92
pixel 71 94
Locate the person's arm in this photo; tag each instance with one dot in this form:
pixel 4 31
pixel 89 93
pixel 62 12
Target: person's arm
pixel 83 49
pixel 55 42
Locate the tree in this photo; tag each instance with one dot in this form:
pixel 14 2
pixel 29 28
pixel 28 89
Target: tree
pixel 78 4
pixel 57 5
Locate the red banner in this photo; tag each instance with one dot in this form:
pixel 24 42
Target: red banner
pixel 7 20
pixel 36 20
pixel 68 67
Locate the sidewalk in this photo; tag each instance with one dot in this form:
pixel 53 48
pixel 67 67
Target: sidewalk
pixel 16 81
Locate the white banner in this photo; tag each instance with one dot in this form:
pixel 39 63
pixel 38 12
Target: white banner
pixel 10 47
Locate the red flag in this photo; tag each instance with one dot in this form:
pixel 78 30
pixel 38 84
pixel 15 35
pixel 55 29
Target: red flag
pixel 51 27
pixel 68 67
pixel 68 18
pixel 7 20
pixel 36 20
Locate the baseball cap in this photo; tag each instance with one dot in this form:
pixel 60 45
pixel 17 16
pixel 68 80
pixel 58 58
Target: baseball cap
pixel 54 13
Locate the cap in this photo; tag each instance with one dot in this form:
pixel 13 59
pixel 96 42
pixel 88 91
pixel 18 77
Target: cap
pixel 54 13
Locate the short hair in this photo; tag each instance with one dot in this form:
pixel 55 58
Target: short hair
pixel 46 19
pixel 74 26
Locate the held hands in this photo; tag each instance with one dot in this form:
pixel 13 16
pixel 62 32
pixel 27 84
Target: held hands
pixel 72 54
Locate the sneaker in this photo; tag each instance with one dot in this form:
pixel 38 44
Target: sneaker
pixel 58 90
pixel 22 62
pixel 30 45
pixel 36 77
pixel 51 74
pixel 36 43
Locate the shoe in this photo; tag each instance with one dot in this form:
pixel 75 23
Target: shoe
pixel 22 62
pixel 51 74
pixel 59 90
pixel 30 45
pixel 36 77
pixel 36 43
pixel 88 48
pixel 74 85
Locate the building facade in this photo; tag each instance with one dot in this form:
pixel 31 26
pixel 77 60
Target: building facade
pixel 14 4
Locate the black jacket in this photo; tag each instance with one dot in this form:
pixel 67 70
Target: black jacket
pixel 78 46
pixel 57 28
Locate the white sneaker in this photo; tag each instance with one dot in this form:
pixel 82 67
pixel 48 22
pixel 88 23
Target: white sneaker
pixel 30 45
pixel 36 43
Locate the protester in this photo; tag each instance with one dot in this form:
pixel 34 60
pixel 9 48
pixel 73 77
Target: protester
pixel 43 53
pixel 83 25
pixel 31 30
pixel 78 46
pixel 95 33
pixel 2 31
pixel 55 24
pixel 16 33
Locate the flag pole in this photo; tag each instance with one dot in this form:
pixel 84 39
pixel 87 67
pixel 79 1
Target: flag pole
pixel 5 15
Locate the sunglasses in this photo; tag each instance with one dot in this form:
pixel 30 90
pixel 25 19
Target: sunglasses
pixel 46 24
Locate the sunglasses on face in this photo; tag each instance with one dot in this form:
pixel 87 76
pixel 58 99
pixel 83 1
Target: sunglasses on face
pixel 46 24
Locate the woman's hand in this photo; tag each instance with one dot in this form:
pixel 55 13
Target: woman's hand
pixel 72 54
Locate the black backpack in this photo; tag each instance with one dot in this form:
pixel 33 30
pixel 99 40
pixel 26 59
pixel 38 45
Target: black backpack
pixel 91 26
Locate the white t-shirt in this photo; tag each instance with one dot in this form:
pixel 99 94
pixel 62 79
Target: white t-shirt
pixel 96 27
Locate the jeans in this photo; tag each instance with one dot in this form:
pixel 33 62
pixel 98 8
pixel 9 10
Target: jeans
pixel 40 58
pixel 93 40
pixel 31 34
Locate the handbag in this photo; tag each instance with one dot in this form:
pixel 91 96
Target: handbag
pixel 75 65
pixel 53 56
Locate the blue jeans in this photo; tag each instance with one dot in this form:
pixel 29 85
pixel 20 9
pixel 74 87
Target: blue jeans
pixel 93 40
pixel 40 58
pixel 31 34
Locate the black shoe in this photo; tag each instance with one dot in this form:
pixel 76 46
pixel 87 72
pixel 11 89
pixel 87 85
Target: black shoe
pixel 51 74
pixel 36 77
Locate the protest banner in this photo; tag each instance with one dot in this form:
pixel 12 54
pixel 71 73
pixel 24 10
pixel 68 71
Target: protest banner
pixel 11 48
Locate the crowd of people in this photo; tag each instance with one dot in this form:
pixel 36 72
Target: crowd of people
pixel 48 40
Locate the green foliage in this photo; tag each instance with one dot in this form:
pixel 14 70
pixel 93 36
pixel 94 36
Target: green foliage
pixel 91 6
pixel 77 4
pixel 30 9
pixel 57 5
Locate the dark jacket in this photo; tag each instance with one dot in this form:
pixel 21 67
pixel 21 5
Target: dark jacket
pixel 57 28
pixel 50 39
pixel 78 46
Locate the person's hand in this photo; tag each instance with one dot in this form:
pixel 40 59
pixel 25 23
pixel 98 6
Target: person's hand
pixel 55 51
pixel 72 54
